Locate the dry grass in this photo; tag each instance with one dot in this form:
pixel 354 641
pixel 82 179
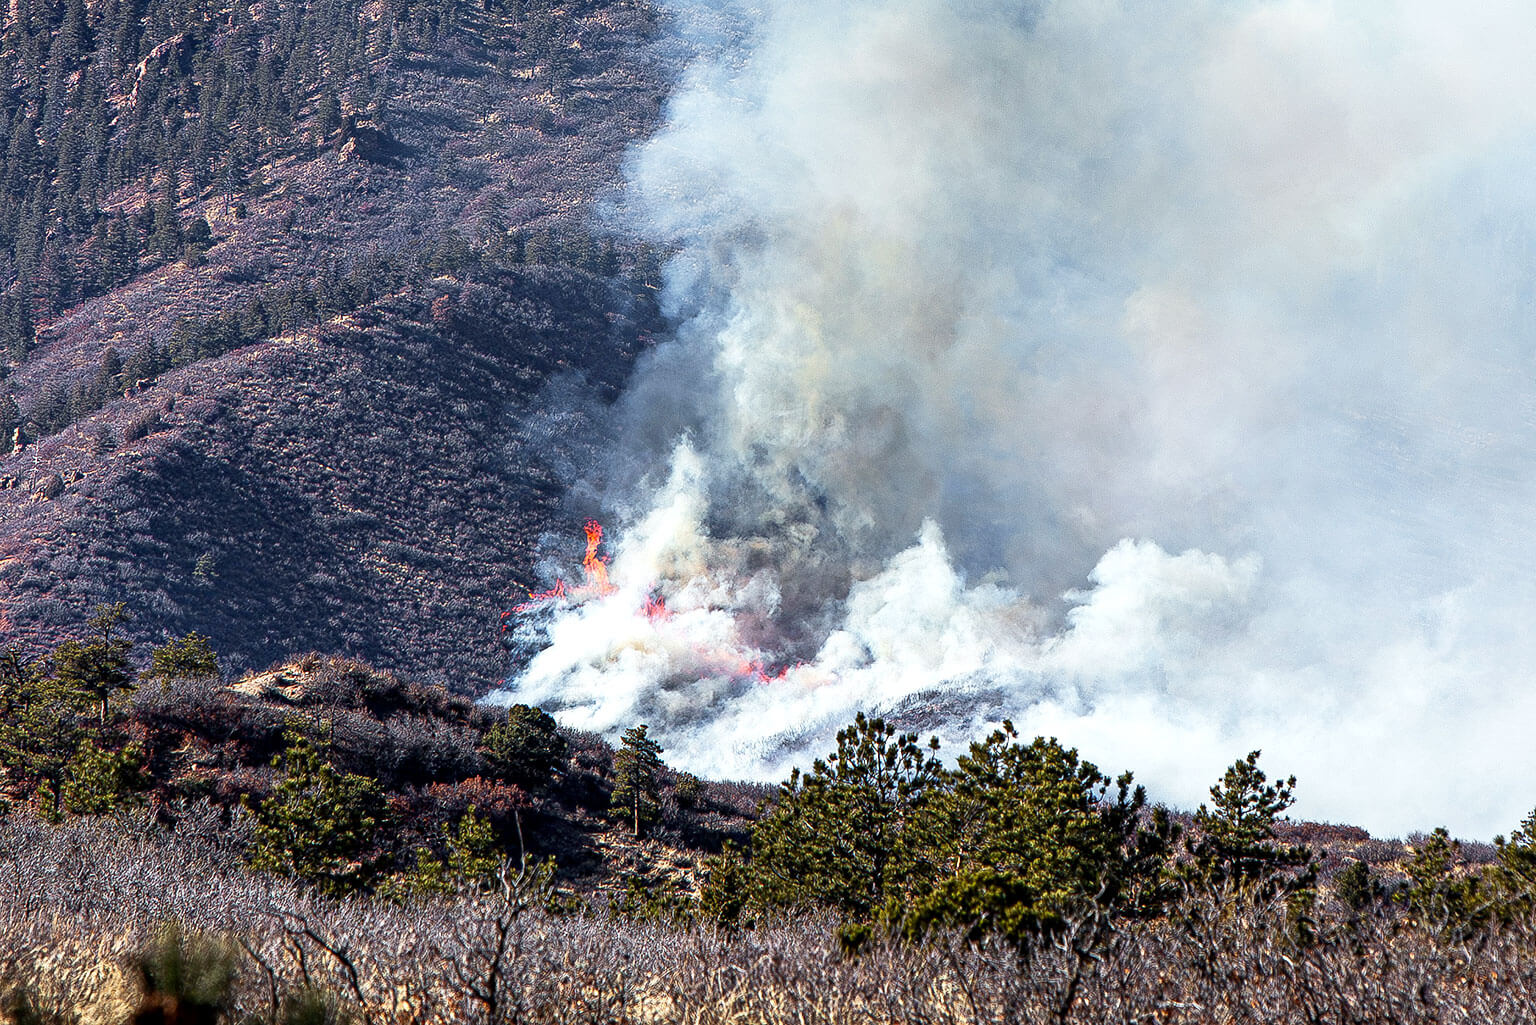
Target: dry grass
pixel 77 901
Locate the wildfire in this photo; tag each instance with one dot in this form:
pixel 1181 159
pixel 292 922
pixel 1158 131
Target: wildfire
pixel 595 568
pixel 595 585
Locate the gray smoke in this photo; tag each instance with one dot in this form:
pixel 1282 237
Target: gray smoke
pixel 1159 375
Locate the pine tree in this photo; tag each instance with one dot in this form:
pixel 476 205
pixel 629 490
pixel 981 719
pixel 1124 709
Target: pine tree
pixel 320 824
pixel 526 748
pixel 166 240
pixel 17 331
pixel 100 779
pixel 120 255
pixel 1030 835
pixel 40 728
pixel 98 668
pixel 199 236
pixel 475 861
pixel 727 888
pixel 474 855
pixel 844 835
pixel 1234 843
pixel 1355 887
pixel 190 657
pixel 10 419
pixel 327 115
pixel 637 777
pixel 1442 894
pixel 1514 876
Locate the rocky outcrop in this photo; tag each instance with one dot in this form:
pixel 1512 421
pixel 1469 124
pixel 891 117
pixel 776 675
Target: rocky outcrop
pixel 367 140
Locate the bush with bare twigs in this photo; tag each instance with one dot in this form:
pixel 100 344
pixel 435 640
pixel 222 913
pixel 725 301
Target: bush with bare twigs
pixel 82 903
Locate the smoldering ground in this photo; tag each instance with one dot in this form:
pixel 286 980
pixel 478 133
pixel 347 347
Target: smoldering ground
pixel 1159 374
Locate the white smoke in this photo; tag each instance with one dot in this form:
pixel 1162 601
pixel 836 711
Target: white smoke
pixel 989 307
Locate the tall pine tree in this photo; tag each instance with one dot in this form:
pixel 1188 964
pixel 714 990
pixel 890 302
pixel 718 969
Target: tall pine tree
pixel 637 777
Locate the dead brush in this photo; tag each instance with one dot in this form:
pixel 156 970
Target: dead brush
pixel 251 948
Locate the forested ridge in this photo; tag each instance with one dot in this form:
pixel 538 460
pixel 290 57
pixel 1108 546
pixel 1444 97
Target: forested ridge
pixel 240 236
pixel 189 99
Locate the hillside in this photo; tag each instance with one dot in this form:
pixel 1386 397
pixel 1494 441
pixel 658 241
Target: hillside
pixel 429 752
pixel 327 842
pixel 288 417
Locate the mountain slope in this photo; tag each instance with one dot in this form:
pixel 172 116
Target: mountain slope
pixel 302 433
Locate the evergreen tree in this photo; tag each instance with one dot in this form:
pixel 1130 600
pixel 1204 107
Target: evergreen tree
pixel 727 888
pixel 98 668
pixel 1030 835
pixel 108 378
pixel 637 777
pixel 475 861
pixel 320 824
pixel 17 330
pixel 167 238
pixel 1355 887
pixel 1514 875
pixel 100 779
pixel 1234 843
pixel 843 835
pixel 526 748
pixel 40 728
pixel 198 237
pixel 327 115
pixel 1443 895
pixel 120 255
pixel 10 419
pixel 190 657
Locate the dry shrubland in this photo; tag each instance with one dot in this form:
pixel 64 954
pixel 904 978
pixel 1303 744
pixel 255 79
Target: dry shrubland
pixel 79 901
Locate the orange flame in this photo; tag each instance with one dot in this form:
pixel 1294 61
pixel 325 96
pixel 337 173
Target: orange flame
pixel 593 567
pixel 597 585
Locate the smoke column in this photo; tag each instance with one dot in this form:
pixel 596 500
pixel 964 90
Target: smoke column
pixel 1157 375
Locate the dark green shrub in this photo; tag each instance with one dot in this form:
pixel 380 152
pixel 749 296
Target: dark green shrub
pixel 1356 888
pixel 1514 876
pixel 526 748
pixel 100 780
pixel 689 790
pixel 1444 896
pixel 19 1006
pixel 190 657
pixel 474 863
pixel 187 978
pixel 320 824
pixel 727 887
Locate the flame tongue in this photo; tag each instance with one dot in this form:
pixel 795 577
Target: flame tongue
pixel 596 569
pixel 727 659
pixel 596 584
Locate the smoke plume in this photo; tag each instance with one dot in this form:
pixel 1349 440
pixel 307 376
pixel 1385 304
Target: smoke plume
pixel 1157 375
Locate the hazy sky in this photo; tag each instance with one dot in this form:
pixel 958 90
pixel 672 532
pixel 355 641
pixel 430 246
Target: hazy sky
pixel 1160 374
